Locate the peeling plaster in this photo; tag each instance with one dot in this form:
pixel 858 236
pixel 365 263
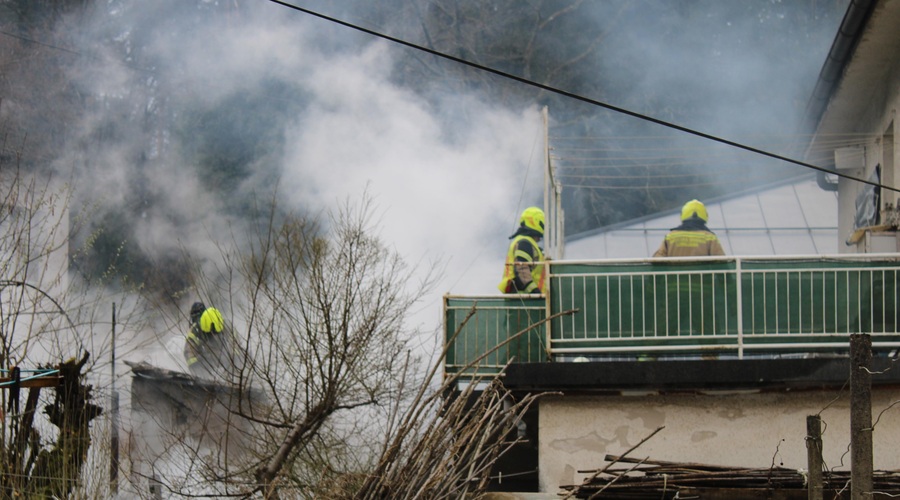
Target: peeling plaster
pixel 591 442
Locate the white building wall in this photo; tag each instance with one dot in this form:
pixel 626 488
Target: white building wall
pixel 877 135
pixel 737 429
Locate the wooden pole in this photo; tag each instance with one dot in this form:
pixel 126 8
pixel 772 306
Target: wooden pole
pixel 861 467
pixel 114 423
pixel 814 456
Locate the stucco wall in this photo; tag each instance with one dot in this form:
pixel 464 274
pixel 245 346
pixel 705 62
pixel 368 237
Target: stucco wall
pixel 877 132
pixel 748 430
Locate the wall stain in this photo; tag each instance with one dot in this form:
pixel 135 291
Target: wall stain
pixel 703 436
pixel 592 442
pixel 652 419
pixel 732 413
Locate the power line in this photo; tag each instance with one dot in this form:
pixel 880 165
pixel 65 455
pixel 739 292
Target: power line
pixel 581 98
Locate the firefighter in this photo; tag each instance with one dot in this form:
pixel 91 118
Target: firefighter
pixel 524 271
pixel 692 238
pixel 205 340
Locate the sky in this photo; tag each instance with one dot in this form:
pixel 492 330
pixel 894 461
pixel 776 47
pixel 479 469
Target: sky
pixel 448 174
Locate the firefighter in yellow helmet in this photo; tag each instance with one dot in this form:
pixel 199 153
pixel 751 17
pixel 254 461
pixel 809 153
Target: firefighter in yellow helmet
pixel 692 238
pixel 524 271
pixel 205 340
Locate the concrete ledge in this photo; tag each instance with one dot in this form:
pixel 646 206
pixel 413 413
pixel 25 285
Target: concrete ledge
pixel 693 375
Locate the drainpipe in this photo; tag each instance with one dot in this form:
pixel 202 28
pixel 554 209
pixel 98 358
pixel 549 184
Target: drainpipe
pixel 824 183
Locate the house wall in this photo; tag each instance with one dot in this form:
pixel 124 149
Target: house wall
pixel 748 429
pixel 878 135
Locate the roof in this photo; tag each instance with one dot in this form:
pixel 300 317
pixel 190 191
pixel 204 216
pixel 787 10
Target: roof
pixel 864 78
pixel 796 217
pixel 845 43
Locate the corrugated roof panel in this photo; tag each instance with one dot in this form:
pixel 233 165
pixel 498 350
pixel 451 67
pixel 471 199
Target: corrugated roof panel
pixel 794 242
pixel 819 207
pixel 781 208
pixel 624 244
pixel 797 218
pixel 740 212
pixel 826 241
pixel 662 222
pixel 748 242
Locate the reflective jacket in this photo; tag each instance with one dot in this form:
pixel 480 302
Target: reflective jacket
pixel 205 343
pixel 524 271
pixel 691 239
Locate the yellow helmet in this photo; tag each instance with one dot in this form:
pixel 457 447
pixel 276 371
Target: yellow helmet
pixel 533 218
pixel 211 321
pixel 693 208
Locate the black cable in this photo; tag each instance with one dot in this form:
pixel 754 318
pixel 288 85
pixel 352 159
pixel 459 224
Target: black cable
pixel 584 99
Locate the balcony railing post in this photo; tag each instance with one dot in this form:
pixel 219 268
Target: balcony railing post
pixel 740 307
pixel 548 327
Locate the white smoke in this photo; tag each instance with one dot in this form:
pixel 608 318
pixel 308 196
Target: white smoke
pixel 447 191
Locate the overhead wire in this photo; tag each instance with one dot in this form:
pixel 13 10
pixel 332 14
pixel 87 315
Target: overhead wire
pixel 618 159
pixel 611 152
pixel 683 175
pixel 581 98
pixel 584 167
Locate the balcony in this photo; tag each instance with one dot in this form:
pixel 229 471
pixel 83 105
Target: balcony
pixel 723 308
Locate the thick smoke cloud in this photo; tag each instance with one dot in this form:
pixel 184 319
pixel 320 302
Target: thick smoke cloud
pixel 363 133
pixel 325 123
pixel 320 111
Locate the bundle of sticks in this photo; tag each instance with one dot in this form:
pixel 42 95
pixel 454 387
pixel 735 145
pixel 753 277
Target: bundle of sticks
pixel 629 478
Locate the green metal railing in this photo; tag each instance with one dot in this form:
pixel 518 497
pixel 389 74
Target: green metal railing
pixel 477 330
pixel 726 306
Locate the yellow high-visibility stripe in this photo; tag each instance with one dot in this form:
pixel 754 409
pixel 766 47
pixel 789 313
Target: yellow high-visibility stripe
pixel 537 273
pixel 689 239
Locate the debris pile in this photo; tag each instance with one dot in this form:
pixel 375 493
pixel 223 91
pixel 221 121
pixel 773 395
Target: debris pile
pixel 670 480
